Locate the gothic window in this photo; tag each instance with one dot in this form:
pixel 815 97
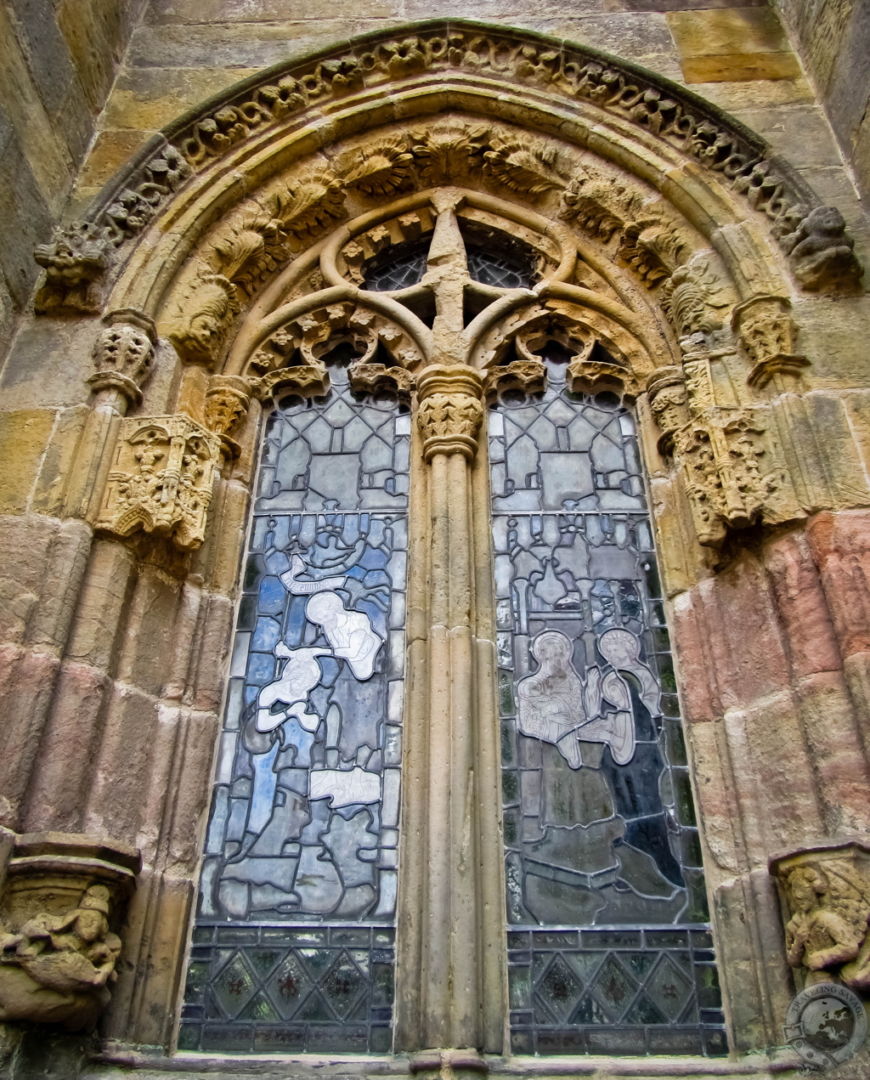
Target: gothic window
pixel 293 943
pixel 608 938
pixel 609 947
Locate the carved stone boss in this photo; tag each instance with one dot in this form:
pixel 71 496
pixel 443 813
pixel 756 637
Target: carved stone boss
pixel 161 479
pixel 826 902
pixel 63 900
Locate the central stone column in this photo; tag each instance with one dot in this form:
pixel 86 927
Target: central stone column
pixel 452 993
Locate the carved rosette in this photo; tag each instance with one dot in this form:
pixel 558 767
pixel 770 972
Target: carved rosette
pixel 449 410
pixel 161 481
pixel 124 354
pixel 721 454
pixel 825 893
pixel 226 406
pixel 766 332
pixel 63 902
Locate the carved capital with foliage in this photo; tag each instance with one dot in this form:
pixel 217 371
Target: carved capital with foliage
pixel 766 332
pixel 449 410
pixel 826 902
pixel 124 354
pixel 721 453
pixel 161 479
pixel 63 901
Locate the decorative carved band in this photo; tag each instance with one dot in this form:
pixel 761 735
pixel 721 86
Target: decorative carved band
pixel 162 478
pixel 124 354
pixel 812 236
pixel 826 895
pixel 449 410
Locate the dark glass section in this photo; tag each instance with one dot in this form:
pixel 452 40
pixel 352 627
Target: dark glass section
pixel 289 990
pixel 398 267
pixel 599 825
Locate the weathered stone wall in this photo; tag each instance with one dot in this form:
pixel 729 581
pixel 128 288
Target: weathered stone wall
pixel 57 64
pixel 833 37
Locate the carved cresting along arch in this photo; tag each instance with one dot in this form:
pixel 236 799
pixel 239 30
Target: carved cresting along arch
pixel 670 244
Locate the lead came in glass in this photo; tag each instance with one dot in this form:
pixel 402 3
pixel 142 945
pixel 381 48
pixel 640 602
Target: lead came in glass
pixel 293 945
pixel 600 836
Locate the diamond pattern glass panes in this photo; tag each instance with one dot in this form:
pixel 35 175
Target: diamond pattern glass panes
pixel 293 943
pixel 598 821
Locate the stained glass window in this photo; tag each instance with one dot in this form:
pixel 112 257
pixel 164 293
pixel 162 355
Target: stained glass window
pixel 609 942
pixel 293 943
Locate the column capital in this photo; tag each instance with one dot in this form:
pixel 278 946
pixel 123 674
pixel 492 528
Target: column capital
pixel 449 410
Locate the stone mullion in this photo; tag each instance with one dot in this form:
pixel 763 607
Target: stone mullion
pixel 443 966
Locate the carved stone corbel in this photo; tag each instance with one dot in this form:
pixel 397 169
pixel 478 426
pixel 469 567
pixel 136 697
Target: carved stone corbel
pixel 766 331
pixel 721 454
pixel 161 479
pixel 226 406
pixel 75 263
pixel 124 354
pixel 826 898
pixel 820 252
pixel 63 901
pixel 449 410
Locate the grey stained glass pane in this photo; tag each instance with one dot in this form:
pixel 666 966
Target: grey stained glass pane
pixel 599 827
pixel 306 802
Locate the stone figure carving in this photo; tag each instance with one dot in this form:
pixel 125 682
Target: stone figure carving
pixel 820 251
pixel 57 968
pixel 74 263
pixel 828 897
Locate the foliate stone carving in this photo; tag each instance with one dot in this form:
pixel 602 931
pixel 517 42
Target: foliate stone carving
pixel 226 406
pixel 378 170
pixel 826 894
pixel 449 410
pixel 820 252
pixel 527 169
pixel 124 354
pixel 766 331
pixel 74 263
pixel 63 899
pixel 448 151
pixel 161 479
pixel 599 205
pixel 202 323
pixel 692 298
pixel 722 457
pixel 519 376
pixel 134 206
pixel 640 247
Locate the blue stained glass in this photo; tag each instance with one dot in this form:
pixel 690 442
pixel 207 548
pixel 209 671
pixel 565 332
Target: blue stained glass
pixel 299 838
pixel 589 838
